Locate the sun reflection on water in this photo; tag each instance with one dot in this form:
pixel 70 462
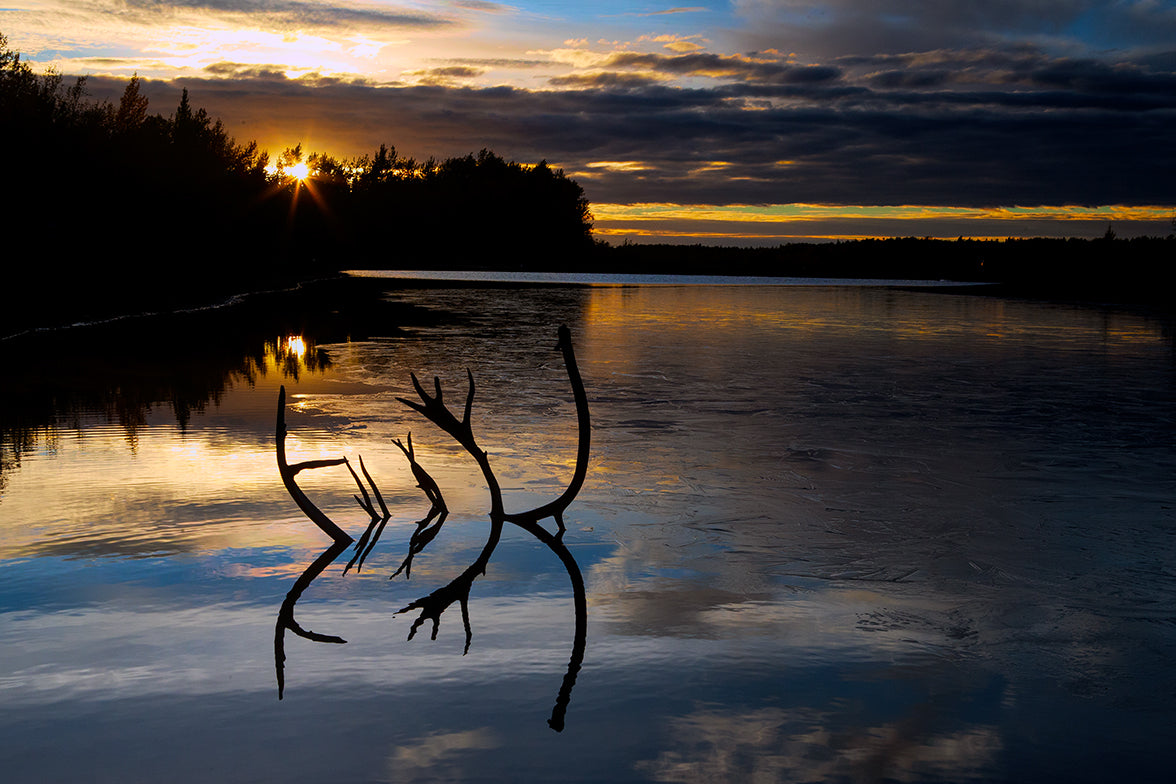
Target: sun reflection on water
pixel 295 344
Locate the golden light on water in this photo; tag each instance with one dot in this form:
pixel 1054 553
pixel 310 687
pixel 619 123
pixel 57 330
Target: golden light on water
pixel 294 345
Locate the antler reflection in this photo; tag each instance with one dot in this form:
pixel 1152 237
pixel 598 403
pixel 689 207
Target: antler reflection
pixel 376 527
pixel 424 533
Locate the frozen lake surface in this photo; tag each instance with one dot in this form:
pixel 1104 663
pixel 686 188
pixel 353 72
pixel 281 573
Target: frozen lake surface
pixel 828 534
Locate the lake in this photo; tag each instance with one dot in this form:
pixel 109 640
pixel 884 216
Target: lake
pixel 826 534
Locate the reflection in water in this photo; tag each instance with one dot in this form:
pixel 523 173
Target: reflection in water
pixel 286 613
pixel 828 535
pixel 119 372
pixel 434 605
pixel 424 532
pixel 100 377
pixel 774 745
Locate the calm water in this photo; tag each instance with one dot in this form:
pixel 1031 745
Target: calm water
pixel 828 534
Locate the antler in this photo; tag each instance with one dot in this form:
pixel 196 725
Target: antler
pixel 458 590
pixel 438 413
pixel 556 508
pixel 341 541
pixel 286 613
pixel 288 472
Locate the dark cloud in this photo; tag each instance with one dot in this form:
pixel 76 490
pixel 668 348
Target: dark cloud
pixel 1099 77
pixel 770 233
pixel 499 62
pixel 910 79
pixel 607 79
pixel 483 6
pixel 724 66
pixel 973 128
pixel 680 10
pixel 246 71
pixel 456 71
pixel 834 27
pixel 446 74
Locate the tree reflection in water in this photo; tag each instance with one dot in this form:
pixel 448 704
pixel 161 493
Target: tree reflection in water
pixel 434 605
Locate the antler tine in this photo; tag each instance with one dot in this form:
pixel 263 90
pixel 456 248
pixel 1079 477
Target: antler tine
pixel 434 605
pixel 434 409
pixel 375 489
pixel 286 613
pixel 469 399
pixel 376 527
pixel 366 503
pixel 437 509
pixel 426 403
pixel 416 383
pixel 406 450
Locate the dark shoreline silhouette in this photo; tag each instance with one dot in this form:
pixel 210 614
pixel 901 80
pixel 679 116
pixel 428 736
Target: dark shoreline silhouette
pixel 1106 272
pixel 114 210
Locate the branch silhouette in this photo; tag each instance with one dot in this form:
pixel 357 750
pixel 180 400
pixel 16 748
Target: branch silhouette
pixel 286 613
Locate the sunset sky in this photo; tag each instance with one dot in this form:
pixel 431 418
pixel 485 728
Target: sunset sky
pixel 746 122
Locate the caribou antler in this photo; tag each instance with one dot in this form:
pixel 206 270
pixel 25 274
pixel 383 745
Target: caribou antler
pixel 556 508
pixel 341 541
pixel 288 472
pixel 286 613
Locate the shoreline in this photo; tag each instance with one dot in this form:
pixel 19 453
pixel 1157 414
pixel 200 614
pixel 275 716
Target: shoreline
pixel 495 277
pixel 20 324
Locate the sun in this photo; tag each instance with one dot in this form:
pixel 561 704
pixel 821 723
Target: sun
pixel 299 171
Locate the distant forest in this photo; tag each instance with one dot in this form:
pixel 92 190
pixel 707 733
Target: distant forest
pixel 1106 269
pixel 110 209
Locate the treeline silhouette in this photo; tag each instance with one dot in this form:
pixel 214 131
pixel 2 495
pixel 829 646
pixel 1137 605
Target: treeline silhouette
pixel 112 209
pixel 1104 269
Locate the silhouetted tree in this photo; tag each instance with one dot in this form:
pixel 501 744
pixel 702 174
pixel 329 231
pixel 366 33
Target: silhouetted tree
pixel 132 108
